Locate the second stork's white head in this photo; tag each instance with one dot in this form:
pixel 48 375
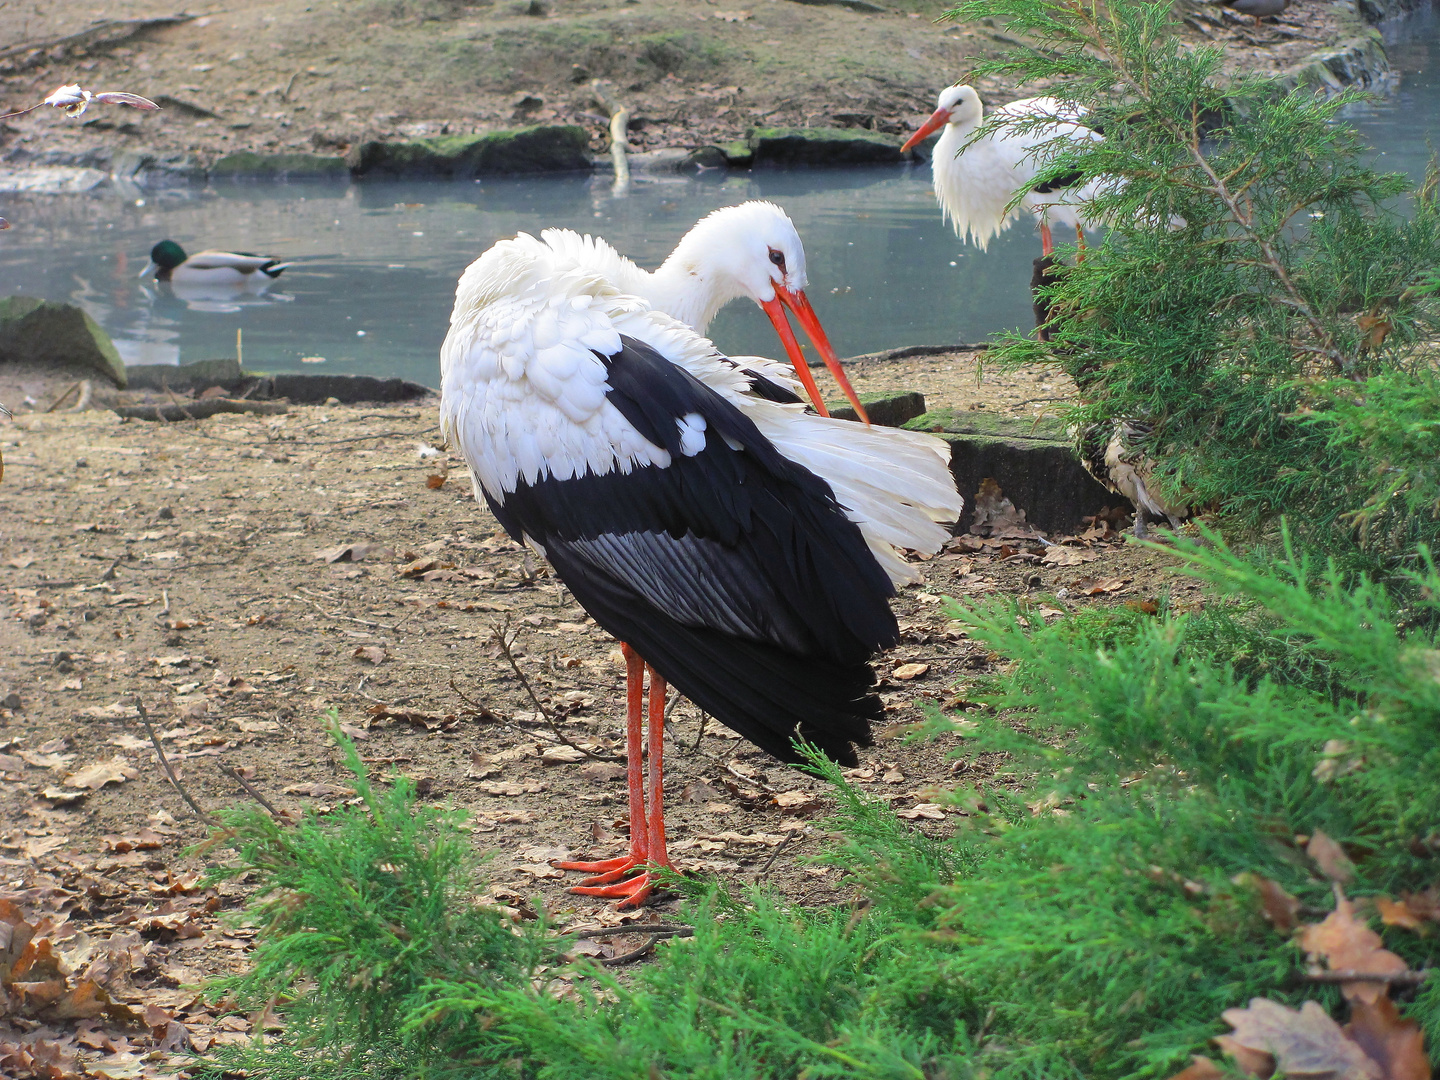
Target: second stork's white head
pixel 958 106
pixel 751 250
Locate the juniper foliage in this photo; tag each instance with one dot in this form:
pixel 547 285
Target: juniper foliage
pixel 1292 280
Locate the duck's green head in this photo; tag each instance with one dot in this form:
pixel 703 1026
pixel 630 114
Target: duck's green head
pixel 167 255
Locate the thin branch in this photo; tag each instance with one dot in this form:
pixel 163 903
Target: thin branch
pixel 251 790
pixel 1389 978
pixel 505 641
pixel 165 763
pixel 774 855
pixel 656 929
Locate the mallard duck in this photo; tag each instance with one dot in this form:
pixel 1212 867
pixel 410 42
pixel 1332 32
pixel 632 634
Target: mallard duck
pixel 168 262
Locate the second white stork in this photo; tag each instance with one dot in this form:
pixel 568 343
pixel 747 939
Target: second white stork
pixel 976 179
pixel 740 546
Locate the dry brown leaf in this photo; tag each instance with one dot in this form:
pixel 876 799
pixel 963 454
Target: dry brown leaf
pixel 1277 905
pixel 373 654
pixel 923 810
pixel 906 672
pixel 1396 1043
pixel 562 755
pixel 1099 586
pixel 319 790
pixel 1348 944
pixel 1250 1062
pixel 115 771
pixel 1061 555
pixel 1330 857
pixel 1307 1043
pixel 144 840
pixel 434 481
pixel 996 515
pixel 358 552
pixel 1398 913
pixel 797 803
pixel 1200 1068
pixel 508 787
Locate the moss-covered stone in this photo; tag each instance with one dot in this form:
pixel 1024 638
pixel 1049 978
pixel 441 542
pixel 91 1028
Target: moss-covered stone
pixel 38 331
pixel 556 148
pixel 246 165
pixel 886 410
pixel 822 146
pixel 201 375
pixel 1032 461
pixel 738 155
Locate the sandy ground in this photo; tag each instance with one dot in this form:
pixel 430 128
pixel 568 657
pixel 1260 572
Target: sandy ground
pixel 198 566
pixel 312 75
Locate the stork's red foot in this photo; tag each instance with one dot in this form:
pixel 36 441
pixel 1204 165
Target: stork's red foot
pixel 605 871
pixel 631 893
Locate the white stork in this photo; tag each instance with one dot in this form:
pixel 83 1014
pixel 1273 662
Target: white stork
pixel 975 183
pixel 743 546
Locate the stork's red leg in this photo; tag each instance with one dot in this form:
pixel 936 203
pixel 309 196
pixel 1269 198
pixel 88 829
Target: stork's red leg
pixel 1079 243
pixel 1047 242
pixel 634 891
pixel 608 870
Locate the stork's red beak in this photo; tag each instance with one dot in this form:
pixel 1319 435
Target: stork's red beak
pixel 799 303
pixel 938 119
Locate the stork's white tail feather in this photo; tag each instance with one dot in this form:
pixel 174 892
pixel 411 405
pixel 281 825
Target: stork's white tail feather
pixel 896 485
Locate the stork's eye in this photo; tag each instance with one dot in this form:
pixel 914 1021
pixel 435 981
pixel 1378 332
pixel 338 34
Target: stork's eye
pixel 777 258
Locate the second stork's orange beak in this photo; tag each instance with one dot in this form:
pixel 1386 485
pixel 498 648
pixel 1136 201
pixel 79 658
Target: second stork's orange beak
pixel 799 303
pixel 938 119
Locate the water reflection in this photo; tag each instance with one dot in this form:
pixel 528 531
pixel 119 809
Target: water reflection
pixel 376 263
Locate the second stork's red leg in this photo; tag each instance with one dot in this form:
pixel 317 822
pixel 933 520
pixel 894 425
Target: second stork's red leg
pixel 1047 242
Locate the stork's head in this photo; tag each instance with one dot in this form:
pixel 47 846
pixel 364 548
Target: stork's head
pixel 753 250
pixel 959 105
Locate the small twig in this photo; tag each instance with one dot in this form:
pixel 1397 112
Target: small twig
pixel 165 763
pixel 505 641
pixel 704 717
pixel 748 779
pixel 773 856
pixel 344 618
pixel 625 958
pixel 656 929
pixel 251 790
pixel 1389 978
pixel 165 609
pixel 285 94
pixel 72 388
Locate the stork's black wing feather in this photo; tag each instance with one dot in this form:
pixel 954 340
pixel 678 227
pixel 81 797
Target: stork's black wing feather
pixel 732 569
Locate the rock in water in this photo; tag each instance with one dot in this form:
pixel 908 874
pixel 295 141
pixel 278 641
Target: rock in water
pixel 34 331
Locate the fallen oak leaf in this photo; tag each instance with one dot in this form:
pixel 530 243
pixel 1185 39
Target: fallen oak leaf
pixel 1348 944
pixel 1306 1043
pixel 1200 1068
pixel 906 672
pixel 1330 857
pixel 115 771
pixel 1396 1043
pixel 1277 905
pixel 374 654
pixel 1250 1062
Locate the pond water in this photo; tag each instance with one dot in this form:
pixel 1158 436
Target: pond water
pixel 376 263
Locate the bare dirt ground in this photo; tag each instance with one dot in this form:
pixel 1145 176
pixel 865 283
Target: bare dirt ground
pixel 317 75
pixel 242 577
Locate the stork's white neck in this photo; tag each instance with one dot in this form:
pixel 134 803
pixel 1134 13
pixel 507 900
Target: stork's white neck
pixel 689 286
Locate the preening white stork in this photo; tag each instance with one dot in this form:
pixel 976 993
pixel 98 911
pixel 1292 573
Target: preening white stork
pixel 974 183
pixel 743 546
